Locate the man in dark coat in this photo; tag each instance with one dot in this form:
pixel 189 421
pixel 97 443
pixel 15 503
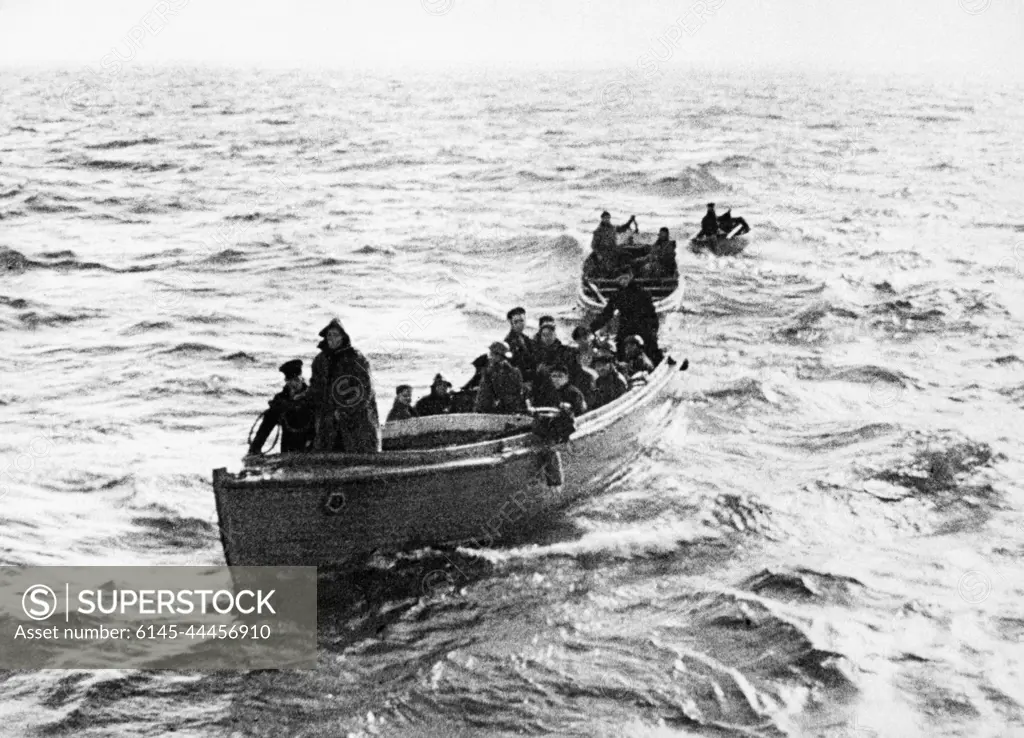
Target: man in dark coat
pixel 288 410
pixel 439 401
pixel 555 390
pixel 637 316
pixel 726 222
pixel 604 245
pixel 661 262
pixel 521 345
pixel 549 350
pixel 342 394
pixel 709 225
pixel 402 409
pixel 635 360
pixel 610 384
pixel 501 390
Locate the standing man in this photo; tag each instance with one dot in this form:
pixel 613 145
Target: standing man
pixel 402 409
pixel 709 225
pixel 521 345
pixel 501 390
pixel 288 410
pixel 342 393
pixel 605 244
pixel 637 317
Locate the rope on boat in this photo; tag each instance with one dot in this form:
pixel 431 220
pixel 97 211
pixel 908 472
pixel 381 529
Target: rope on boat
pixel 277 433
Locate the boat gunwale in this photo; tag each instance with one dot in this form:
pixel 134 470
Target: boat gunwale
pixel 316 468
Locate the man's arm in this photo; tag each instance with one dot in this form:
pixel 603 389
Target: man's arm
pixel 607 314
pixel 625 226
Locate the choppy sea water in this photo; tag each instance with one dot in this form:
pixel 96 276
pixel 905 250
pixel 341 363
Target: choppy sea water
pixel 826 542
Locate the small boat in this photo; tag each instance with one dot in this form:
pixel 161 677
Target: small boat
pixel 443 480
pixel 721 245
pixel 593 294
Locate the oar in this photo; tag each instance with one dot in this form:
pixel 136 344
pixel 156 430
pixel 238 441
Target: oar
pixel 601 297
pixel 733 232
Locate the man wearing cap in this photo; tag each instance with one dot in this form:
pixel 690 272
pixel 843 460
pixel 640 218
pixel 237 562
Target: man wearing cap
pixel 343 398
pixel 550 350
pixel 288 410
pixel 501 389
pixel 402 408
pixel 637 317
pixel 709 225
pixel 555 390
pixel 439 401
pixel 521 346
pixel 605 245
pixel 610 384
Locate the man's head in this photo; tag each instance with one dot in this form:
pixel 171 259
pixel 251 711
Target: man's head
pixel 559 376
pixel 547 334
pixel 633 346
pixel 606 218
pixel 517 318
pixel 663 234
pixel 582 335
pixel 711 206
pixel 292 371
pixel 603 364
pixel 403 393
pixel 440 386
pixel 498 352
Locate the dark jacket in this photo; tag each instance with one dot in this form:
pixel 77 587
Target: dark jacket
pixel 523 350
pixel 295 418
pixel 639 363
pixel 401 411
pixel 545 395
pixel 579 376
pixel 434 405
pixel 609 388
pixel 637 315
pixel 342 394
pixel 501 390
pixel 604 240
pixel 663 256
pixel 548 356
pixel 709 224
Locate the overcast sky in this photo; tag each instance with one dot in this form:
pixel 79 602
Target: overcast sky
pixel 970 36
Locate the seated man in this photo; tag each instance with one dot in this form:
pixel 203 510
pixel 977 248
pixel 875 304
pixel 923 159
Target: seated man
pixel 555 391
pixel 402 408
pixel 549 350
pixel 634 359
pixel 501 389
pixel 661 262
pixel 521 345
pixel 289 409
pixel 479 364
pixel 726 222
pixel 439 401
pixel 610 384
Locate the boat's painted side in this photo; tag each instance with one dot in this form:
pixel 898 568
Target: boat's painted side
pixel 332 509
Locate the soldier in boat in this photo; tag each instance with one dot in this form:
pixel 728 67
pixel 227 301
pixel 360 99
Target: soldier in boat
pixel 402 408
pixel 635 360
pixel 610 384
pixel 555 390
pixel 726 223
pixel 550 350
pixel 661 262
pixel 605 254
pixel 439 401
pixel 342 393
pixel 289 409
pixel 501 389
pixel 637 317
pixel 709 224
pixel 521 345
pixel 465 398
pixel 579 358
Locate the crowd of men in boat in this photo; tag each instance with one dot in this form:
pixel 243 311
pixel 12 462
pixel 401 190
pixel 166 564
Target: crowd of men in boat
pixel 337 410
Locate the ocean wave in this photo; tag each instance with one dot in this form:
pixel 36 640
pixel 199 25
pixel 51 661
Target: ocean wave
pixel 692 181
pixel 40 203
pixel 125 166
pixel 124 143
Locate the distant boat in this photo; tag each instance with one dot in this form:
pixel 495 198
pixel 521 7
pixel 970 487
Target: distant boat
pixel 721 245
pixel 593 294
pixel 442 480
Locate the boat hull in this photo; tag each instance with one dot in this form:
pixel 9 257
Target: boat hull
pixel 334 509
pixel 721 247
